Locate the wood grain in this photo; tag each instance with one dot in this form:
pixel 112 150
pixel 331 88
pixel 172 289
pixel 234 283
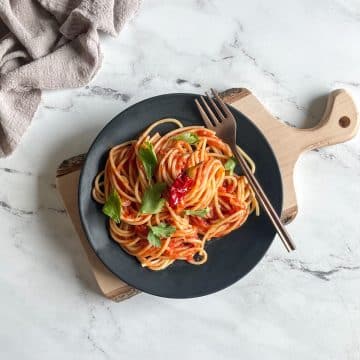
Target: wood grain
pixel 338 124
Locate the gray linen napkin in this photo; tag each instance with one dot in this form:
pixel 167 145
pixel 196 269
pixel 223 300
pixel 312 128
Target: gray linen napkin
pixel 49 44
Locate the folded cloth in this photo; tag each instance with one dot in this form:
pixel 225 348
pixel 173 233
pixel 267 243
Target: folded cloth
pixel 49 44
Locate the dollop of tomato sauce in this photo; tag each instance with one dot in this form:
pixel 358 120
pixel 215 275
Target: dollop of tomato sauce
pixel 141 230
pixel 179 188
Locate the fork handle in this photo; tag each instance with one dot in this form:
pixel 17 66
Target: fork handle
pixel 265 202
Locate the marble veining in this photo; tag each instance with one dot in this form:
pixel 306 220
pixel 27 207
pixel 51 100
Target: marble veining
pixel 105 92
pixel 19 212
pixel 320 274
pixel 304 305
pixel 14 171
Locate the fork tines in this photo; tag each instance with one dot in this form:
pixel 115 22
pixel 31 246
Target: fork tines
pixel 215 120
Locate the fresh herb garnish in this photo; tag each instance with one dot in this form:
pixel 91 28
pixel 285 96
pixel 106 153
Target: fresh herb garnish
pixel 152 203
pixel 189 137
pixel 156 233
pixel 230 165
pixel 200 212
pixel 112 207
pixel 148 159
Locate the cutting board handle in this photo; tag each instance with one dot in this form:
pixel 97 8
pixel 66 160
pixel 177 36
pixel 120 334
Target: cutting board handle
pixel 338 124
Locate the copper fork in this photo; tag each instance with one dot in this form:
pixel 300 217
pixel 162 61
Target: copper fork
pixel 217 116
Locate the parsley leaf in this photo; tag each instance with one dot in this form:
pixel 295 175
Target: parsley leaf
pixel 148 158
pixel 230 165
pixel 200 212
pixel 158 232
pixel 112 207
pixel 189 137
pixel 153 239
pixel 152 203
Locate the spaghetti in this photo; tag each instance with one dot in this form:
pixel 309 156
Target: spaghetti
pixel 168 195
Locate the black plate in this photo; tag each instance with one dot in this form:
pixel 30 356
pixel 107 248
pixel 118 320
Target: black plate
pixel 231 257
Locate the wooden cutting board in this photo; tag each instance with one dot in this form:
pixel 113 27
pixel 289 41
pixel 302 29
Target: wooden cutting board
pixel 338 124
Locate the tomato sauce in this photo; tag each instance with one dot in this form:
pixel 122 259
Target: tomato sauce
pixel 141 230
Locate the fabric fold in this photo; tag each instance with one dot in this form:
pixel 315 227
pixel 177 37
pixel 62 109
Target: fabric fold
pixel 49 44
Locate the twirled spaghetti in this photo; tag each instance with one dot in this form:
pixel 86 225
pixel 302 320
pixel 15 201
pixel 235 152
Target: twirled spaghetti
pixel 203 200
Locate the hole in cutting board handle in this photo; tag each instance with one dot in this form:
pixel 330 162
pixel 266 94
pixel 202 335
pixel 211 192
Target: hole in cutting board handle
pixel 344 122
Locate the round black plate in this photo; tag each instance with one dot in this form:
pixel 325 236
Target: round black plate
pixel 231 257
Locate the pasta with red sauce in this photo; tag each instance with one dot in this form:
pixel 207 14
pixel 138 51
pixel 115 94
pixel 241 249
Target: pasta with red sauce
pixel 168 195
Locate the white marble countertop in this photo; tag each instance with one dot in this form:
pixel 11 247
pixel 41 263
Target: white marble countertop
pixel 300 306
